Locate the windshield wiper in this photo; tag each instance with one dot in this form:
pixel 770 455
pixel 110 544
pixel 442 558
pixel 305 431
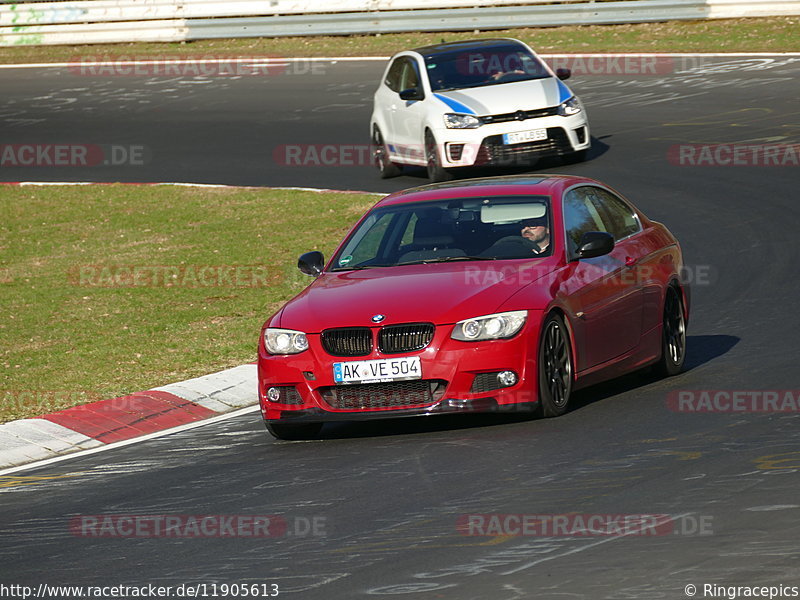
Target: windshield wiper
pixel 360 267
pixel 422 261
pixel 426 261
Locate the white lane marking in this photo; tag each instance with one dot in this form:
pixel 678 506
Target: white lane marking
pixel 197 185
pixel 587 546
pixel 195 59
pixel 144 438
pixel 278 61
pixel 773 507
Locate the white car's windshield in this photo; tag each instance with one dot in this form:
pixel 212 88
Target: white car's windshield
pixel 493 65
pixel 489 228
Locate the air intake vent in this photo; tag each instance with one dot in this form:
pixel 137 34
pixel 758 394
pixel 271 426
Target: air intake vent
pixel 347 341
pixel 409 337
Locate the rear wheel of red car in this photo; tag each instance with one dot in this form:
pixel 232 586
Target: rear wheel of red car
pixel 380 156
pixel 294 431
pixel 555 368
pixel 673 337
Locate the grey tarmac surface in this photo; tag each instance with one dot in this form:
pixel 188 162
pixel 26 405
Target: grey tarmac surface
pixel 388 496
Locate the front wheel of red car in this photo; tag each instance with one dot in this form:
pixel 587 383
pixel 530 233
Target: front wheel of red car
pixel 673 337
pixel 555 368
pixel 294 431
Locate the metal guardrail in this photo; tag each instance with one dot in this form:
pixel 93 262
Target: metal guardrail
pixel 110 21
pixel 465 19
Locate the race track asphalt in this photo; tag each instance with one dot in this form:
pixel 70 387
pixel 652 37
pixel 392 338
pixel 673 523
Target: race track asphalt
pixel 386 497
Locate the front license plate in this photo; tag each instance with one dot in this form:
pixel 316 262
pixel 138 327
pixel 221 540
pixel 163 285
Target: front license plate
pixel 534 135
pixel 384 369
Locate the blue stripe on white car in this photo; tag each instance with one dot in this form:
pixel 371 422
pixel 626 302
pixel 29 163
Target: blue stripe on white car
pixel 564 92
pixel 455 105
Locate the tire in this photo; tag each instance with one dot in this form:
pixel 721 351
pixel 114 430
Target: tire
pixel 293 431
pixel 673 335
pixel 380 157
pixel 436 172
pixel 554 368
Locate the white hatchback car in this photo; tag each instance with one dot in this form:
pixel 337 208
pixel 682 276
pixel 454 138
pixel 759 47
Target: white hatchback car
pixel 466 104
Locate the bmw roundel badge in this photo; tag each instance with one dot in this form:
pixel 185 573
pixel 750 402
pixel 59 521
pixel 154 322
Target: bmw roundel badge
pixel 378 318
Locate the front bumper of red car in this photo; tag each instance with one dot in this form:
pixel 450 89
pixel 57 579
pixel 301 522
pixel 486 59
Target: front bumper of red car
pixel 456 376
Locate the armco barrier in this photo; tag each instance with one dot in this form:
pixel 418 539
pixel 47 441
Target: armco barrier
pixel 110 21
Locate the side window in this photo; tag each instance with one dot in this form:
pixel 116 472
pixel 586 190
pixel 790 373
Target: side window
pixel 619 218
pixel 394 74
pixel 367 246
pixel 410 79
pixel 580 216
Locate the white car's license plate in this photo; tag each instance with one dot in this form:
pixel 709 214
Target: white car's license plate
pixel 534 135
pixel 384 369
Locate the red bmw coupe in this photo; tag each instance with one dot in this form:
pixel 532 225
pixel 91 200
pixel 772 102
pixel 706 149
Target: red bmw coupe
pixel 504 293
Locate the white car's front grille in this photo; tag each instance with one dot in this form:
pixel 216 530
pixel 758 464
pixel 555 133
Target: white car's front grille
pixel 520 115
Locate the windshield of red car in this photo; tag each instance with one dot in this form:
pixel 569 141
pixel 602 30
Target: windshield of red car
pixel 488 228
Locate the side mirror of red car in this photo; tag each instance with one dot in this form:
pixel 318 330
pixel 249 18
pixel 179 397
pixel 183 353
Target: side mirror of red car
pixel 311 263
pixel 595 243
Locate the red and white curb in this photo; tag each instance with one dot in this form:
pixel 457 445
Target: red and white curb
pixel 127 417
pixel 98 424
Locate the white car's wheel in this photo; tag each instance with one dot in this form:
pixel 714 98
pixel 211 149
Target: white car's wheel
pixel 433 161
pixel 380 157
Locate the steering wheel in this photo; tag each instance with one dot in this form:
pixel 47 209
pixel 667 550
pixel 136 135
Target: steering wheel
pixel 510 245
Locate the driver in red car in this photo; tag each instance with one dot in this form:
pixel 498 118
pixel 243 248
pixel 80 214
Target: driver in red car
pixel 536 231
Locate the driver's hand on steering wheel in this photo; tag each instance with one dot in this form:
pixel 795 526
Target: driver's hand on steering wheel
pixel 500 74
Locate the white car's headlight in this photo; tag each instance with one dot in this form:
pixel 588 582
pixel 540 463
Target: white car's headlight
pixel 490 327
pixel 570 107
pixel 455 121
pixel 284 341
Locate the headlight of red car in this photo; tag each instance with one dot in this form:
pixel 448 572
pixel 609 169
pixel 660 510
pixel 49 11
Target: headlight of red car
pixel 285 341
pixel 490 327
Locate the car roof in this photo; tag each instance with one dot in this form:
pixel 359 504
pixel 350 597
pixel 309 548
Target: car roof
pixel 464 45
pixel 537 184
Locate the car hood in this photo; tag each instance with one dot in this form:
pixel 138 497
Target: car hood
pixel 506 97
pixel 437 293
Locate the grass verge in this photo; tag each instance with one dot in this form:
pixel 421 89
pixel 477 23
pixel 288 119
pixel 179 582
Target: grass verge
pixel 76 325
pixel 769 34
